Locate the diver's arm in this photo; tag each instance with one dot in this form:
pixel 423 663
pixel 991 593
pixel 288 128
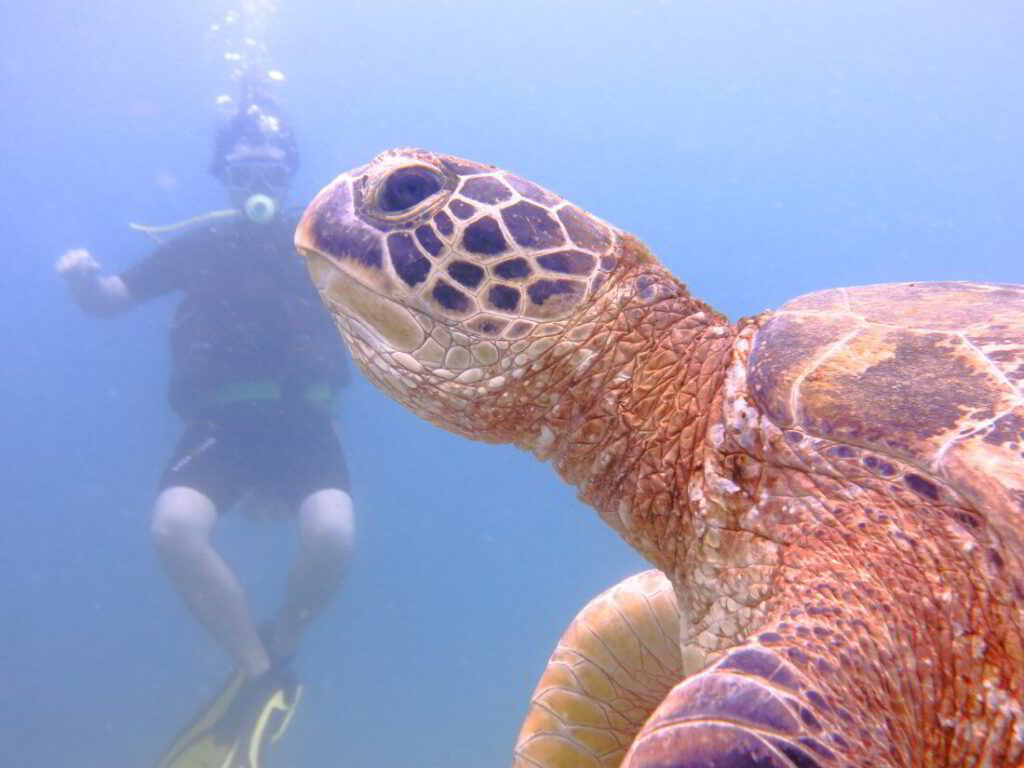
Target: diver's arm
pixel 95 293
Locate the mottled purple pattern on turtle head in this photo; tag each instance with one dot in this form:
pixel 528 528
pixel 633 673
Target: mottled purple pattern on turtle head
pixel 513 269
pixel 532 191
pixel 444 223
pixel 485 189
pixel 336 233
pixel 461 209
pixel 408 261
pixel 567 262
pixel 429 240
pixel 583 230
pixel 467 273
pixel 462 167
pixel 503 298
pixel 482 243
pixel 484 237
pixel 450 298
pixel 865 532
pixel 532 226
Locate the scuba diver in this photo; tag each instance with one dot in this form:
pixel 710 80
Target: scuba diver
pixel 256 367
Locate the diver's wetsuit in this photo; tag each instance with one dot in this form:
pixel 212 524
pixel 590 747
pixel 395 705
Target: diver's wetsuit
pixel 256 362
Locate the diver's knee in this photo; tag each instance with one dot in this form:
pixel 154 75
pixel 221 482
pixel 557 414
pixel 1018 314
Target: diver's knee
pixel 182 519
pixel 327 524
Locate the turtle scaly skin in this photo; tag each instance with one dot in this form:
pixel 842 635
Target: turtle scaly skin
pixel 834 491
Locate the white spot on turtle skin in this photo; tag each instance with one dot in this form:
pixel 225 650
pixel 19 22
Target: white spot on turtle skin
pixel 452 388
pixel 563 348
pixel 472 376
pixel 497 382
pixel 583 360
pixel 543 442
pixel 407 361
pixel 742 421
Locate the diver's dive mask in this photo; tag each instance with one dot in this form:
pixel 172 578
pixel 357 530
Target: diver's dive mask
pixel 257 187
pixel 252 174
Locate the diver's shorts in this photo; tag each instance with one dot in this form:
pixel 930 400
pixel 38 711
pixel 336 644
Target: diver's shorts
pixel 287 451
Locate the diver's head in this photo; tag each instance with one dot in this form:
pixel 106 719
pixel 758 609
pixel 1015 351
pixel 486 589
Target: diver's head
pixel 255 156
pixel 257 185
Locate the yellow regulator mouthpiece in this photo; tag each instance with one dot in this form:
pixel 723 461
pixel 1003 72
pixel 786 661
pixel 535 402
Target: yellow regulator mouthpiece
pixel 260 208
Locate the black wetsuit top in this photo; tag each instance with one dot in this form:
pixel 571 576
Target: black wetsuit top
pixel 250 313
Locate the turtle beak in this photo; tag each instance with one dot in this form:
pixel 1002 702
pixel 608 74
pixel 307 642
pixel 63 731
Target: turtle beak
pixel 321 268
pixel 330 236
pixel 345 258
pixel 331 208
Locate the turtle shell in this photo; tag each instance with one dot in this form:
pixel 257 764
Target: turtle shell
pixel 932 373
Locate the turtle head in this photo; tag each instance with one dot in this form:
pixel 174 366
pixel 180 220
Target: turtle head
pixel 449 278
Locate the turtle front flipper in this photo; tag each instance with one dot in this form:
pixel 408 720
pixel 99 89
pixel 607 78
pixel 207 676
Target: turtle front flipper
pixel 615 663
pixel 753 709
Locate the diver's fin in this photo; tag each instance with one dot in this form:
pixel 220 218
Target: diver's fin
pixel 267 725
pixel 199 744
pixel 232 731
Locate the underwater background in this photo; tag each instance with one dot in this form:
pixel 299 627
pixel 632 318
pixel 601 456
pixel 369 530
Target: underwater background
pixel 761 148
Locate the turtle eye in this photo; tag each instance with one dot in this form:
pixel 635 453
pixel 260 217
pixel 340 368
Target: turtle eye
pixel 408 186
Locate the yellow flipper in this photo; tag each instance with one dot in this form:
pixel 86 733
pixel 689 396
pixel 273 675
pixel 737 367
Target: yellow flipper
pixel 232 731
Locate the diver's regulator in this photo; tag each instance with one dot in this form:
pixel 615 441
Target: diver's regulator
pixel 260 208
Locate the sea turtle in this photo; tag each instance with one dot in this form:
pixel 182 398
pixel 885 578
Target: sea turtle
pixel 834 490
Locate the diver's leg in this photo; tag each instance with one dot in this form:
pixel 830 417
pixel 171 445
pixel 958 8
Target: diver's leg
pixel 326 528
pixel 182 522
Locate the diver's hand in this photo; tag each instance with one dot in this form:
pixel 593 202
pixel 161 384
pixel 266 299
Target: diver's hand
pixel 78 265
pixel 96 294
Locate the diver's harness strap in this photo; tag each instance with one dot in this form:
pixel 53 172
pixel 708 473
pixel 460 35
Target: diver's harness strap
pixel 319 395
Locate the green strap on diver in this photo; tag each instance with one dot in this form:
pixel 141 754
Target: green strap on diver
pixel 317 394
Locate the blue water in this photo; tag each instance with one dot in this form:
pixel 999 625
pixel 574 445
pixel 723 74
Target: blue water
pixel 762 149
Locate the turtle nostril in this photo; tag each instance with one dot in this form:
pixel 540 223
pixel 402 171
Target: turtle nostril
pixel 408 186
